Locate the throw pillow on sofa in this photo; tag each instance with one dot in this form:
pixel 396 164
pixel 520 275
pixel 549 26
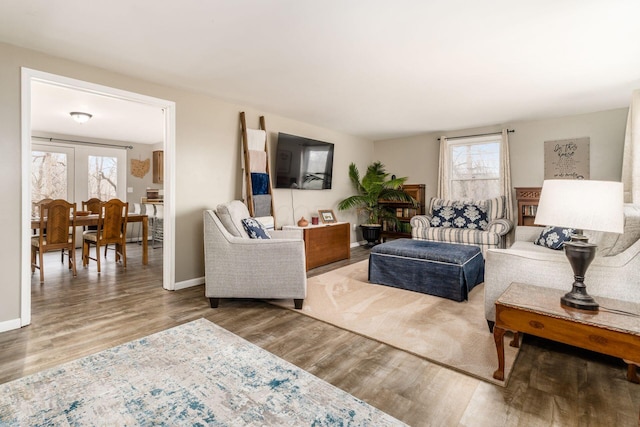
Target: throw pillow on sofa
pixel 460 216
pixel 554 237
pixel 254 229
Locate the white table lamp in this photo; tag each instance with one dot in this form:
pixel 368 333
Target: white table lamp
pixel 581 205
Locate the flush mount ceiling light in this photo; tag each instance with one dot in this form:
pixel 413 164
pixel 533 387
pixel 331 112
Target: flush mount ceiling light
pixel 80 117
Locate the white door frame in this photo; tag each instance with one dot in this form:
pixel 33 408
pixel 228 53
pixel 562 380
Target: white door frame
pixel 30 75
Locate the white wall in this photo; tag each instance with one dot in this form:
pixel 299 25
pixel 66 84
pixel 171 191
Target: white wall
pixel 207 162
pixel 417 156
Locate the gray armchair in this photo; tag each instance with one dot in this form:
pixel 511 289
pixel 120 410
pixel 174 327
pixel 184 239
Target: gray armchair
pixel 237 266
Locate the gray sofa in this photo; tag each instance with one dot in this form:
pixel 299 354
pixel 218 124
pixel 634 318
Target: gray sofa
pixel 614 273
pixel 494 236
pixel 237 266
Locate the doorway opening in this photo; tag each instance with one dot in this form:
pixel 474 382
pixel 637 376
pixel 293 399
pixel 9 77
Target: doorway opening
pixel 30 77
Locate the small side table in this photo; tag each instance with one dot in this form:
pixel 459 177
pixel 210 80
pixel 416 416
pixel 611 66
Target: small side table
pixel 614 330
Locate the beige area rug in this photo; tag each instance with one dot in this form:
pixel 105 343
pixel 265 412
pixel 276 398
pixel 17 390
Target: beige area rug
pixel 449 333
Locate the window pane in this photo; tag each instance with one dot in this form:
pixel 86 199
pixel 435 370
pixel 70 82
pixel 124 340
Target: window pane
pixel 48 176
pixel 475 189
pixel 103 177
pixel 475 161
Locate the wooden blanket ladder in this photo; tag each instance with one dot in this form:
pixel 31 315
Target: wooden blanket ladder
pixel 257 177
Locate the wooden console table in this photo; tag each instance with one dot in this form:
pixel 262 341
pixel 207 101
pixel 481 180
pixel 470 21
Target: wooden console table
pixel 325 243
pixel 613 330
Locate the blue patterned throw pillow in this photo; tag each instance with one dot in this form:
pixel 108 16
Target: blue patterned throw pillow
pixel 254 229
pixel 554 237
pixel 460 216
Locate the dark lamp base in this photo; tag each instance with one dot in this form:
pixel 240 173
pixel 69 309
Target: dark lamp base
pixel 580 255
pixel 580 301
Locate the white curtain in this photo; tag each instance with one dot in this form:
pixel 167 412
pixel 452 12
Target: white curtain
pixel 505 174
pixel 444 176
pixel 631 155
pixel 443 167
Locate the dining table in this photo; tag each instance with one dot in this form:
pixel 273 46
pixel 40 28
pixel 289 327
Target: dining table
pixel 92 219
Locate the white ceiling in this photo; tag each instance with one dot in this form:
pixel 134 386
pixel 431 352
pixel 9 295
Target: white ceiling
pixel 373 68
pixel 112 118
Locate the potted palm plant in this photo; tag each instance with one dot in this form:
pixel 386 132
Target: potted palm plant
pixel 374 186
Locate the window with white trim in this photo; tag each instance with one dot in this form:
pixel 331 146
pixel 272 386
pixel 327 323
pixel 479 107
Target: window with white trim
pixel 474 166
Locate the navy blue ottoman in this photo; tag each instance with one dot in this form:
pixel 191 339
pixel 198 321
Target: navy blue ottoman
pixel 447 270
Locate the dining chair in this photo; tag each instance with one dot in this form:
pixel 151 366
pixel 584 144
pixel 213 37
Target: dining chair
pixel 55 232
pixel 112 228
pixel 93 206
pixel 36 207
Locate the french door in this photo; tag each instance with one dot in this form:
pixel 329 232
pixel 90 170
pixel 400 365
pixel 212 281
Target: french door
pixel 76 173
pixel 52 174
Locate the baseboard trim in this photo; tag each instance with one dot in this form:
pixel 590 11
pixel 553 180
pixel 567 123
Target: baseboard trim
pixel 360 243
pixel 9 325
pixel 189 283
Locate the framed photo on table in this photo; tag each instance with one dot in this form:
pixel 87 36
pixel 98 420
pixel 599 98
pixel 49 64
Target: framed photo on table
pixel 327 216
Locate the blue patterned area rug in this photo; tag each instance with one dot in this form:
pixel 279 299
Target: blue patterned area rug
pixel 193 374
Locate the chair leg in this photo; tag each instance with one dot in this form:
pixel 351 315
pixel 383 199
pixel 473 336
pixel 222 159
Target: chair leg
pixel 85 253
pixel 491 324
pixel 72 261
pixel 98 256
pixel 298 303
pixel 41 260
pixel 214 302
pixel 124 254
pixel 33 259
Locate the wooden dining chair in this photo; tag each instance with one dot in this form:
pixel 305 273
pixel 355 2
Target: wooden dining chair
pixel 112 228
pixel 93 206
pixel 55 232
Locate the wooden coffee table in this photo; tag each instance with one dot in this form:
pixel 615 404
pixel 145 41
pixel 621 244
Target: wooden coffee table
pixel 613 330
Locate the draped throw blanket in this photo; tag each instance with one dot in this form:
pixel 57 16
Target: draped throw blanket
pixel 262 205
pixel 259 183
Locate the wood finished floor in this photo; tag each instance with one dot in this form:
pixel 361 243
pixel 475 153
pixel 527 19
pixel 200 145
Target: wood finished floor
pixel 551 384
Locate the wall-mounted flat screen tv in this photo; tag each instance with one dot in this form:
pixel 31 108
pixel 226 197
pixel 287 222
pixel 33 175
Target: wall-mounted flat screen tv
pixel 303 163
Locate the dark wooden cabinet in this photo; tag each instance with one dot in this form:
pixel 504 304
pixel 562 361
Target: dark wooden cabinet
pixel 158 167
pixel 324 244
pixel 404 213
pixel 527 198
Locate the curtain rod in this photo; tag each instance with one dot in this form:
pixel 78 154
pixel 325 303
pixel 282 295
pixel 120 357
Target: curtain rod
pixel 73 141
pixel 479 134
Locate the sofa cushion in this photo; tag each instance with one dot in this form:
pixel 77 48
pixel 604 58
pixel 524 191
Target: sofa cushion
pixel 554 237
pixel 460 216
pixel 465 236
pixel 495 208
pixel 231 215
pixel 254 229
pixel 610 244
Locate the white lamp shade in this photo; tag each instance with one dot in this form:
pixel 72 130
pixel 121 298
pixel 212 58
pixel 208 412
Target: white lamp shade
pixel 582 204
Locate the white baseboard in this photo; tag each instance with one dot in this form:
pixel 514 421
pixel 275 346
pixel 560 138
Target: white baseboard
pixel 8 325
pixel 189 283
pixel 360 243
